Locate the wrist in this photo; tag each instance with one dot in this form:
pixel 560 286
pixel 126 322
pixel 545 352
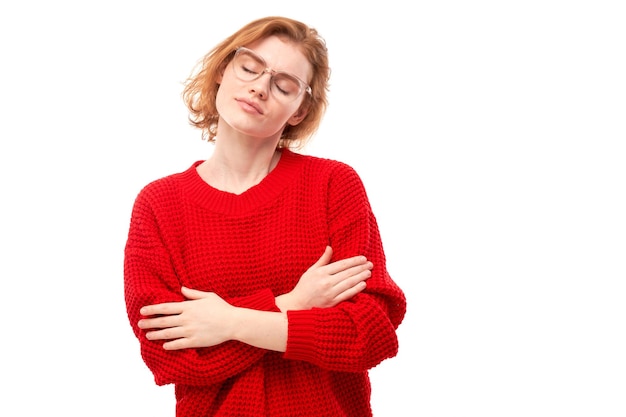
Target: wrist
pixel 283 302
pixel 238 324
pixel 263 329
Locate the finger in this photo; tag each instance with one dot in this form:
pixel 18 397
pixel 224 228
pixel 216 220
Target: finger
pixel 182 343
pixel 351 281
pixel 165 334
pixel 164 308
pixel 159 322
pixel 347 265
pixel 350 292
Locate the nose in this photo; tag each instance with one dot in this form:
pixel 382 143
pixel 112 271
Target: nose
pixel 261 85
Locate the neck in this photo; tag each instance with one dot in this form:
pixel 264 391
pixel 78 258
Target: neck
pixel 235 167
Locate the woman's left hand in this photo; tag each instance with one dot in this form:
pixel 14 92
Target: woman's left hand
pixel 201 321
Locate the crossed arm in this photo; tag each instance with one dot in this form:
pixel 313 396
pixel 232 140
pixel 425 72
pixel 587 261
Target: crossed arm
pixel 205 319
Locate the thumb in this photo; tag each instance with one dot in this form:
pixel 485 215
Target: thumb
pixel 192 294
pixel 325 258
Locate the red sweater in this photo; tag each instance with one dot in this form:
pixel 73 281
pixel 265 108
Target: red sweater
pixel 250 248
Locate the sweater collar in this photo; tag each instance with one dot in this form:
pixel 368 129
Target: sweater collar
pixel 203 194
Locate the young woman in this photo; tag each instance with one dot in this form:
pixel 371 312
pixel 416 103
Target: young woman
pixel 255 280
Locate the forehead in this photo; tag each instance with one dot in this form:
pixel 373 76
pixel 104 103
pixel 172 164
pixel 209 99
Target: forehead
pixel 282 55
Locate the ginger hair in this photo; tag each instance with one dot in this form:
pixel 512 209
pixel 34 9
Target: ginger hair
pixel 201 86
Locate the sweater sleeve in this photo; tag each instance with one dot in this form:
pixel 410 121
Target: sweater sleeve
pixel 357 334
pixel 150 278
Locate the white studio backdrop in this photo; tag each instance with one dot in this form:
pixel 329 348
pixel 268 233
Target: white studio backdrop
pixel 489 134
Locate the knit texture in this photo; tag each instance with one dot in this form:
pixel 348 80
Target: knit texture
pixel 249 248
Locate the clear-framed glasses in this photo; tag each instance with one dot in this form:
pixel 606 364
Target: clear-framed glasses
pixel 250 66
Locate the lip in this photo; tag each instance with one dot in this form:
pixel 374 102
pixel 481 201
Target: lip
pixel 249 105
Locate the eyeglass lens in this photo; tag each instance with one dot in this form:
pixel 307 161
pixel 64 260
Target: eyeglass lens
pixel 249 67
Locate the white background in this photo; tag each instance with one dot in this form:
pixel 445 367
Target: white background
pixel 489 135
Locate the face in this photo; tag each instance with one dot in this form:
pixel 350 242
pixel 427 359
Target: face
pixel 255 107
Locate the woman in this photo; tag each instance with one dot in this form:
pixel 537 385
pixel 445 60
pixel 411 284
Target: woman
pixel 255 280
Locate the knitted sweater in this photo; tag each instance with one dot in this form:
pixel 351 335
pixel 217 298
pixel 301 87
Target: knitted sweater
pixel 248 249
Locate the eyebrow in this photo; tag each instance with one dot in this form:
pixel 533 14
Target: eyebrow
pixel 272 68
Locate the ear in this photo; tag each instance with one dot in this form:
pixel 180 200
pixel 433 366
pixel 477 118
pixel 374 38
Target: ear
pixel 298 116
pixel 220 74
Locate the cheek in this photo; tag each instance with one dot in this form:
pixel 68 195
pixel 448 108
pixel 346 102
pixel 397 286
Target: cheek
pixel 219 98
pixel 224 90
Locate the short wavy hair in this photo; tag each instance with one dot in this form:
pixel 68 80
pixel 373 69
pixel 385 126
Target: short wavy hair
pixel 201 86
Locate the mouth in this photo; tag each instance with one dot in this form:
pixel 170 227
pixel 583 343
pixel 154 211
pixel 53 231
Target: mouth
pixel 249 106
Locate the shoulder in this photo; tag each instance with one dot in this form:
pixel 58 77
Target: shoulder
pixel 336 180
pixel 324 166
pixel 166 188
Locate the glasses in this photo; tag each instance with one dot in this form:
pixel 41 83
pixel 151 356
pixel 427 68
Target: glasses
pixel 250 66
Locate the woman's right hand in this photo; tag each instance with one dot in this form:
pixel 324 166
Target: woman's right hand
pixel 327 284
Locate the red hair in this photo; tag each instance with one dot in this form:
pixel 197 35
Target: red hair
pixel 201 87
